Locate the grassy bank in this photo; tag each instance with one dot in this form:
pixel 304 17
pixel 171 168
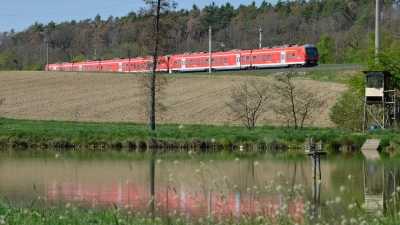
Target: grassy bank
pixel 67 134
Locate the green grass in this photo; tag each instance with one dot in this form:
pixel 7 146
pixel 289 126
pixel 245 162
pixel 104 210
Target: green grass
pixel 66 134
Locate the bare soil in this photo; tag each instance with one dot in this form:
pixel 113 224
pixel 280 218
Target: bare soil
pixel 111 97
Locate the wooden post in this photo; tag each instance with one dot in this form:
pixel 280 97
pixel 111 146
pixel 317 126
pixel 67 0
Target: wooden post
pixel 315 151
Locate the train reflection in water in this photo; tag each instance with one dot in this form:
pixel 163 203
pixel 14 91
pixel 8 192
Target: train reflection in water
pixel 192 201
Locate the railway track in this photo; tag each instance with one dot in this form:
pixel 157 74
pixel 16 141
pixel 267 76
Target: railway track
pixel 273 70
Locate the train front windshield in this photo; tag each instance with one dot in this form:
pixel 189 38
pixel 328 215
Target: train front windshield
pixel 312 52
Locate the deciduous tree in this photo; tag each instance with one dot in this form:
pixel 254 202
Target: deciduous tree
pixel 248 102
pixel 294 103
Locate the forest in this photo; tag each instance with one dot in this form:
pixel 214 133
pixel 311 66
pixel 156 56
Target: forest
pixel 343 30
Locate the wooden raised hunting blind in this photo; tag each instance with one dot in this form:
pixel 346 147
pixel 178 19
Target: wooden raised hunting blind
pixel 380 101
pixel 377 84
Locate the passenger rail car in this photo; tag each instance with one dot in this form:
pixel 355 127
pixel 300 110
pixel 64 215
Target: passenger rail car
pixel 270 57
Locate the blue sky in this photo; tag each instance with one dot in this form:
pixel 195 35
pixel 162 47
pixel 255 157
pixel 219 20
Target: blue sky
pixel 20 14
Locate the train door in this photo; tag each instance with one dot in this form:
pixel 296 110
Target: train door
pixel 238 64
pixel 120 67
pixel 183 64
pixel 283 57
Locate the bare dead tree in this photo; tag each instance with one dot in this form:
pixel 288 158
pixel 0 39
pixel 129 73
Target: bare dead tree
pixel 155 41
pixel 249 101
pixel 294 103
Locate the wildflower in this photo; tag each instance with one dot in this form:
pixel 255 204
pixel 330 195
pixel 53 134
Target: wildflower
pixel 181 126
pixel 159 161
pixel 278 188
pixel 353 221
pixel 338 199
pixel 211 161
pixel 342 188
pixel 279 174
pixel 398 189
pixel 350 177
pixel 212 140
pixel 256 163
pixel 57 156
pixel 237 159
pixel 176 162
pixel 235 186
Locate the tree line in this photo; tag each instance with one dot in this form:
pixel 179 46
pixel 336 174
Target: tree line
pixel 343 31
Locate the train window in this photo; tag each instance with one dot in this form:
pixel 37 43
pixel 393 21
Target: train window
pixel 198 62
pixel 212 61
pixel 175 63
pixel 202 61
pixel 216 60
pixel 206 61
pixel 269 58
pixel 190 62
pixel 258 58
pixel 288 56
pixel 221 60
pixel 254 58
pixel 144 65
pixel 298 52
pixel 293 55
pixel 194 62
pixel 126 65
pixel 243 59
pixel 225 60
pixel 247 58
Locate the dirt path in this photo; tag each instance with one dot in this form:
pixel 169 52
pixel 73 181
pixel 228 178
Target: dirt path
pixel 190 99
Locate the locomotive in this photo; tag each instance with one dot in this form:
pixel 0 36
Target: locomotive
pixel 291 55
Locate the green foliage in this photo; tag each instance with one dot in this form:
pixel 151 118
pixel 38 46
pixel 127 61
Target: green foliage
pixel 326 49
pixel 347 113
pixel 387 60
pixel 79 58
pixel 6 60
pixel 357 85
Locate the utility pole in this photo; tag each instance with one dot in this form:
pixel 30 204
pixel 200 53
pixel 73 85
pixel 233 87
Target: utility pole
pixel 47 56
pixel 210 49
pixel 377 27
pixel 259 30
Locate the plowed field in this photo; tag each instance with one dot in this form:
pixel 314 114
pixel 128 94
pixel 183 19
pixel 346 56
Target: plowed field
pixel 100 97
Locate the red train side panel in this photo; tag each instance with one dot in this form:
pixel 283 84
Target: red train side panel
pixel 281 56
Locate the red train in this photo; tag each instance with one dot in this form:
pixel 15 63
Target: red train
pixel 298 55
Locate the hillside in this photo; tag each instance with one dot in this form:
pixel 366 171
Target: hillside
pixel 189 98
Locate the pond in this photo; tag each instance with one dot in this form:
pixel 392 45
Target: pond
pixel 197 185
